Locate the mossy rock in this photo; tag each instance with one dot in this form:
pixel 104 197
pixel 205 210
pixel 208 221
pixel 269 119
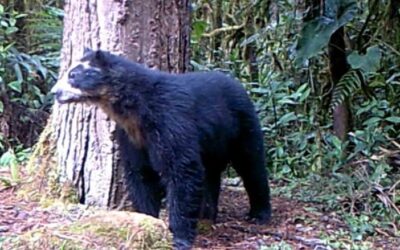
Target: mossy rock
pixel 102 230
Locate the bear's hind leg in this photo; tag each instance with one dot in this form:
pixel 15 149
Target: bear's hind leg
pixel 248 161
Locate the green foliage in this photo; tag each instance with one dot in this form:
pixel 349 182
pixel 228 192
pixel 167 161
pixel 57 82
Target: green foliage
pixel 198 29
pixel 13 160
pixel 349 84
pixel 356 79
pixel 341 240
pixel 368 63
pixel 9 159
pixel 360 226
pixel 29 52
pixel 316 33
pixel 43 28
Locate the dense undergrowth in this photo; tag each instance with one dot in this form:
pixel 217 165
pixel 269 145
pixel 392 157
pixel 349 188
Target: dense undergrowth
pixel 260 43
pixel 30 42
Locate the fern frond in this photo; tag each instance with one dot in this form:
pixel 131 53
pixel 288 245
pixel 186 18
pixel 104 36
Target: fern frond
pixel 350 82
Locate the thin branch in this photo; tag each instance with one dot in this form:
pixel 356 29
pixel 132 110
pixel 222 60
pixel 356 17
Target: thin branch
pixel 223 29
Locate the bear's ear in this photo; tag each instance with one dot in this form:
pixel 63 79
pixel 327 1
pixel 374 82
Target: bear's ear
pixel 100 58
pixel 86 50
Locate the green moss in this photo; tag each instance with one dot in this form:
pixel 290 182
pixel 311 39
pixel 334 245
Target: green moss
pixel 103 230
pixel 154 235
pixel 204 226
pixel 42 182
pixel 42 178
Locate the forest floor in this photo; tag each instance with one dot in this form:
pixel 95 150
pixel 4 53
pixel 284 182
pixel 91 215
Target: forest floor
pixel 295 225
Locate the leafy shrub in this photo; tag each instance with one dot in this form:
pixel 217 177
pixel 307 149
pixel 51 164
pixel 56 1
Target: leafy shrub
pixel 27 71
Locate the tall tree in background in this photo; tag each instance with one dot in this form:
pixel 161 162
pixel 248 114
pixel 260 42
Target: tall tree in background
pixel 338 67
pixel 87 142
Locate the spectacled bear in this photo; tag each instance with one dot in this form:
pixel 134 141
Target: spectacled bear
pixel 186 128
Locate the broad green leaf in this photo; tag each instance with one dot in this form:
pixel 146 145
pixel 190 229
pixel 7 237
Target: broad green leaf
pixel 12 21
pixel 287 118
pixel 1 9
pixel 11 30
pixel 9 159
pixel 369 62
pixel 6 158
pixel 393 119
pixel 314 37
pixel 1 107
pixel 372 120
pixel 316 33
pixel 16 86
pixel 3 23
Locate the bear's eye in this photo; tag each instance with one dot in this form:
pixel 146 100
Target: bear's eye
pixel 72 74
pixel 75 71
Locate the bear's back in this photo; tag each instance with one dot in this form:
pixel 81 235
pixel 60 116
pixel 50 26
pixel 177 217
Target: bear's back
pixel 220 106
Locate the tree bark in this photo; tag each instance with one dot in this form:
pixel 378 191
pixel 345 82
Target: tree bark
pixel 152 32
pixel 250 50
pixel 338 67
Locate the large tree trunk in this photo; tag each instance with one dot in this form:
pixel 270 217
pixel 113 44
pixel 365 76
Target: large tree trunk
pixel 88 143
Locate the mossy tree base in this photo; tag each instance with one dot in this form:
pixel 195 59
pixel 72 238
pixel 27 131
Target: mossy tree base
pixel 99 230
pixel 42 182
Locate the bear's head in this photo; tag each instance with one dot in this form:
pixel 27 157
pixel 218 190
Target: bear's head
pixel 86 80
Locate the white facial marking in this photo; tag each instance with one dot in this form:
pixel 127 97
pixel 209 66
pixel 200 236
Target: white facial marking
pixel 86 65
pixel 63 90
pixel 63 85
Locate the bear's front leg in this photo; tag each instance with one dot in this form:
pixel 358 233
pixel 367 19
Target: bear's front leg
pixel 184 199
pixel 174 153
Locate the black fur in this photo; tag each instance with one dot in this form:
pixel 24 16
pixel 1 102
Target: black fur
pixel 188 128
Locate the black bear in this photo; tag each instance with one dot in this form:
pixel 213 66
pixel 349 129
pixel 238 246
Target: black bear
pixel 186 128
